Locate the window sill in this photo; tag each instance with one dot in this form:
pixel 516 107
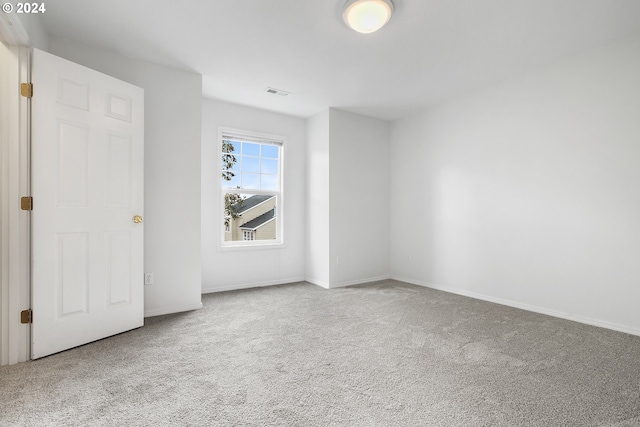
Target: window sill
pixel 250 246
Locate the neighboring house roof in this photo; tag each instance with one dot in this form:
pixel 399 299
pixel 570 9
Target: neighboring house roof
pixel 252 201
pixel 262 219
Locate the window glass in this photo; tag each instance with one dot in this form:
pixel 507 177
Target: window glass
pixel 250 164
pixel 248 170
pixel 250 149
pixel 251 188
pixel 250 181
pixel 269 166
pixel 269 182
pixel 250 215
pixel 270 151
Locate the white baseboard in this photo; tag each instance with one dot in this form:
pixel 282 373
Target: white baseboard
pixel 527 307
pixel 212 289
pixel 345 284
pixel 171 310
pixel 318 283
pixel 359 281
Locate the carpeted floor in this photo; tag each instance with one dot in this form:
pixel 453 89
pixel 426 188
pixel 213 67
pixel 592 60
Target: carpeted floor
pixel 382 354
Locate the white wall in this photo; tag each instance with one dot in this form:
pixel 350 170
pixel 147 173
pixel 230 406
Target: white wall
pixel 527 193
pixel 359 169
pixel 317 200
pixel 347 199
pixel 235 269
pixel 35 32
pixel 173 102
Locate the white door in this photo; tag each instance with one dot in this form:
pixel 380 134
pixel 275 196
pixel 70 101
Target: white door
pixel 87 186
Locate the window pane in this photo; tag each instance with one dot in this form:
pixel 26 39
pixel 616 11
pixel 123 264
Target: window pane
pixel 250 149
pixel 270 151
pixel 269 182
pixel 230 162
pixel 229 159
pixel 250 181
pixel 231 182
pixel 250 164
pixel 249 217
pixel 269 166
pixel 230 146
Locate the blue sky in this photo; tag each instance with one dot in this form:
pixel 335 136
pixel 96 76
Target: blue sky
pixel 256 167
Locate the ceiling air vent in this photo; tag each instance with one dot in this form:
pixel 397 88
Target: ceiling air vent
pixel 276 91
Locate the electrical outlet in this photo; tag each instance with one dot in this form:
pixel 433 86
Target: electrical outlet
pixel 338 260
pixel 148 278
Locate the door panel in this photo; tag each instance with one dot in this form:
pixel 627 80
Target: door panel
pixel 72 260
pixel 119 171
pixel 87 184
pixel 119 267
pixel 71 171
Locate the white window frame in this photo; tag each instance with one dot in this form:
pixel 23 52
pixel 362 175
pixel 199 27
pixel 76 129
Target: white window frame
pixel 225 133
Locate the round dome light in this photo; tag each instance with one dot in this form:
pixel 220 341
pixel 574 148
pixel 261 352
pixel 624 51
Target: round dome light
pixel 367 16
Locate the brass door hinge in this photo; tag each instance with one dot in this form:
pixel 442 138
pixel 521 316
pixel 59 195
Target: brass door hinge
pixel 26 316
pixel 26 90
pixel 26 203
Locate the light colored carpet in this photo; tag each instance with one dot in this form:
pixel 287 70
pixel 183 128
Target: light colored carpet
pixel 382 354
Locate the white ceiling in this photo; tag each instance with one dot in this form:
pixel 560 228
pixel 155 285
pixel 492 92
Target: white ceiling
pixel 430 51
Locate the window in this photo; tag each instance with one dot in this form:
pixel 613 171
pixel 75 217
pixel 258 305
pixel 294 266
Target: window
pixel 251 182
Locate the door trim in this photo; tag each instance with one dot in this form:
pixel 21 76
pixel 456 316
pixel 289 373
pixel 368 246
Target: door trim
pixel 15 288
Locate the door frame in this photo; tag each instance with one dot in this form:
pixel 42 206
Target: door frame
pixel 15 240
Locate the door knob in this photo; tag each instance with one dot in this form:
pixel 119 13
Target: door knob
pixel 137 219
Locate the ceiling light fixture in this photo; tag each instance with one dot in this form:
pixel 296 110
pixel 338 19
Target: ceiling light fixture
pixel 367 16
